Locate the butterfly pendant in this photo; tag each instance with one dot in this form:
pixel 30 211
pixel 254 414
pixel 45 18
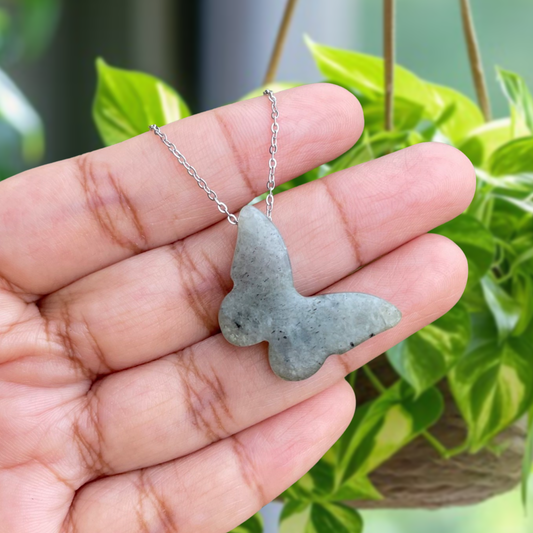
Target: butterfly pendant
pixel 302 332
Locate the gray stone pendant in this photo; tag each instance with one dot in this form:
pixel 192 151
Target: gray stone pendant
pixel 302 332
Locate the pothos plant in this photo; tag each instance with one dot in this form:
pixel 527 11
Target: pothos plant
pixel 483 347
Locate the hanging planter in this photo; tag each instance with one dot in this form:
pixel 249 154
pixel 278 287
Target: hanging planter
pixel 419 477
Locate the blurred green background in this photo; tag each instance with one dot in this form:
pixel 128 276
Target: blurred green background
pixel 213 52
pixel 503 514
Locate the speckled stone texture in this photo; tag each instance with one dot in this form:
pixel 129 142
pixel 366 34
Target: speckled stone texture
pixel 302 332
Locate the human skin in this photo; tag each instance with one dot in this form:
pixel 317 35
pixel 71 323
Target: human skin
pixel 122 408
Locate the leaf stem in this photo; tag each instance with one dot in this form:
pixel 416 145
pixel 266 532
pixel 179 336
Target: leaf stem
pixel 462 448
pixel 351 377
pixel 389 53
pixel 445 453
pixel 281 38
pixel 474 56
pixel 376 383
pixel 436 443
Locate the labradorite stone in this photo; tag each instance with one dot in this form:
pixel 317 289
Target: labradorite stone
pixel 302 332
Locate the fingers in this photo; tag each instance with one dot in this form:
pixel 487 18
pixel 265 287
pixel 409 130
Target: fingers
pixel 63 221
pixel 221 486
pixel 168 298
pixel 180 403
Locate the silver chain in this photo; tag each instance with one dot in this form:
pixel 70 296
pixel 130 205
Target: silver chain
pixel 271 183
pixel 212 195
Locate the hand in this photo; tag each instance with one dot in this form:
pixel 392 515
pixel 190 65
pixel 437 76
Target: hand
pixel 122 408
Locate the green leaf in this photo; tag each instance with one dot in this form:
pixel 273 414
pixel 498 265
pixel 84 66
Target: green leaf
pixel 315 485
pixel 516 183
pixel 252 525
pixel 365 74
pixel 383 426
pixel 482 141
pixel 426 357
pixel 335 518
pixel 407 114
pixel 508 215
pixel 319 518
pixel 475 240
pixel 128 102
pixel 523 205
pixel 356 488
pixel 466 115
pixel 295 516
pixel 513 157
pixel 18 113
pixel 493 382
pixel 515 89
pixel 367 149
pixel 320 485
pixel 504 309
pixel 522 291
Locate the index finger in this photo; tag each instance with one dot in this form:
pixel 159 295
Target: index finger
pixel 63 221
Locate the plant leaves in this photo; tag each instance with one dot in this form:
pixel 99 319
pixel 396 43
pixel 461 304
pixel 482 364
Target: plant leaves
pixel 382 427
pixel 522 292
pixel 524 205
pixel 481 142
pixel 319 518
pixel 128 102
pixel 354 489
pixel 315 485
pixel 335 518
pixel 475 240
pixel 516 183
pixel 504 309
pixel 320 485
pixel 426 357
pixel 515 89
pixel 466 115
pixel 493 382
pixel 407 114
pixel 367 149
pixel 19 114
pixel 365 74
pixel 513 157
pixel 252 525
pixel 295 516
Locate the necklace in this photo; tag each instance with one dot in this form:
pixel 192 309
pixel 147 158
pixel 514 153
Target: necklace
pixel 302 332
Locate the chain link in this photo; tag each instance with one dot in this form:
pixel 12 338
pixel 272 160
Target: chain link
pixel 272 163
pixel 211 194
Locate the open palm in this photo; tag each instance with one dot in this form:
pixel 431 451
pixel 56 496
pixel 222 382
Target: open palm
pixel 122 408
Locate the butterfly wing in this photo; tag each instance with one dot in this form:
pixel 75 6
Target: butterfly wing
pixel 262 276
pixel 325 325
